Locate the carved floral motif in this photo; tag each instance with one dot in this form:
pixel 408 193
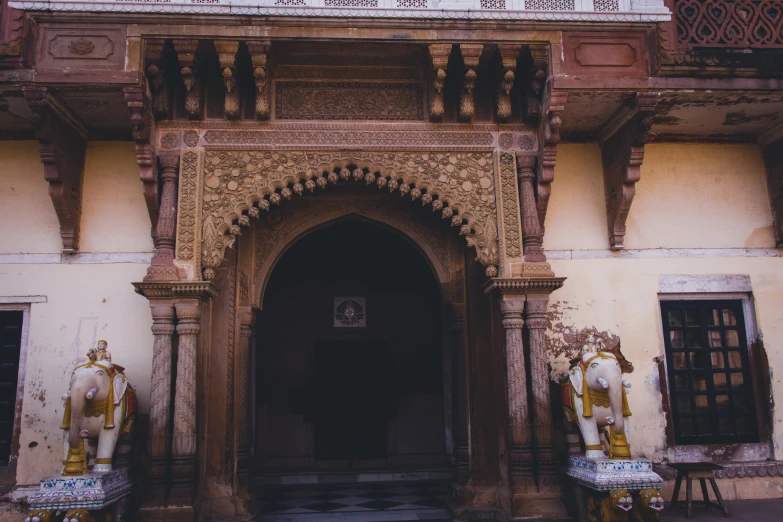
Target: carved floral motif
pixel 235 181
pixel 349 101
pixel 188 207
pixel 81 47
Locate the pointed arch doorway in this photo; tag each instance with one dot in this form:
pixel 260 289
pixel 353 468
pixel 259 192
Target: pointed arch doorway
pixel 350 368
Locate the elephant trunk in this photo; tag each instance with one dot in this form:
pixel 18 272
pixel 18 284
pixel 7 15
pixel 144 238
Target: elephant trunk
pixel 78 405
pixel 616 403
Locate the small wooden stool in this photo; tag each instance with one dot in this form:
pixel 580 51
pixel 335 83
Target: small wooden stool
pixel 701 471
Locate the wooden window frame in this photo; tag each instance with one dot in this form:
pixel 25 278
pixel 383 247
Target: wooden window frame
pixel 758 444
pixel 8 473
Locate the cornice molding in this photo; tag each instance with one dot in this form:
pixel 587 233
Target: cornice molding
pixel 524 285
pixel 176 289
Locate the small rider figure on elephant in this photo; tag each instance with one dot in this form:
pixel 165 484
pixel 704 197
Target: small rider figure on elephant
pixel 99 405
pixel 594 398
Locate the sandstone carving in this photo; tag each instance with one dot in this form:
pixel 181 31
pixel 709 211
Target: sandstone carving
pixel 235 181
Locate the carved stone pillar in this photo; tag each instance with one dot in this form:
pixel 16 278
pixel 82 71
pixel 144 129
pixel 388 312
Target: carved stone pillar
pixel 162 267
pixel 521 444
pixel 159 439
pixel 439 56
pixel 508 55
pixel 183 448
pixel 471 53
pixel 243 396
pixel 227 52
pixel 62 143
pixel 622 152
pixel 259 54
pixel 532 235
pixel 534 486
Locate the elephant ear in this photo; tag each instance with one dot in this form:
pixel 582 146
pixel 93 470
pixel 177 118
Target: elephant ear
pixel 576 377
pixel 120 385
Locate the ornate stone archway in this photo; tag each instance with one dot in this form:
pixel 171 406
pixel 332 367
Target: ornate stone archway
pixel 209 283
pixel 222 190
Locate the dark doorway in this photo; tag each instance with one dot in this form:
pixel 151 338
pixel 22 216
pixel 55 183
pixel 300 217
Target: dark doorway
pixel 353 400
pixel 329 395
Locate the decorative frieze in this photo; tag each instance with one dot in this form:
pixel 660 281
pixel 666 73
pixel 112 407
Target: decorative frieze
pixel 622 152
pixel 349 100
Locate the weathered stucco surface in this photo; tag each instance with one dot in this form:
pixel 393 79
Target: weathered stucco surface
pixel 86 299
pixel 28 223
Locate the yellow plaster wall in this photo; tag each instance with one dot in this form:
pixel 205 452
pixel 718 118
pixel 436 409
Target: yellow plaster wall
pixel 28 223
pixel 85 303
pixel 114 215
pixel 689 196
pixel 576 216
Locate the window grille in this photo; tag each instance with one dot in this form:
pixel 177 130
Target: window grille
pixel 550 5
pixel 606 5
pixel 351 3
pixel 412 4
pixel 493 4
pixel 10 346
pixel 709 372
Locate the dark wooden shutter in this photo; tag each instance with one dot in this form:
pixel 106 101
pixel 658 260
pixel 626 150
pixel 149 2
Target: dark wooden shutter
pixel 10 346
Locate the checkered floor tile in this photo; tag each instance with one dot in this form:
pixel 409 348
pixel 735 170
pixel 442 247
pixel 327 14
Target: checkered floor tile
pixel 348 498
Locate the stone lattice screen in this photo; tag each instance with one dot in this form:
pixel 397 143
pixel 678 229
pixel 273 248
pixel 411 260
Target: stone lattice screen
pixel 729 23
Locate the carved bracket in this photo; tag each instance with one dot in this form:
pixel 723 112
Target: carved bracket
pixel 508 56
pixel 240 185
pixel 549 137
pixel 227 53
pixel 156 75
pixel 62 141
pixel 622 152
pixel 259 54
pixel 773 161
pixel 188 61
pixel 439 56
pixel 143 130
pixel 471 53
pixel 535 89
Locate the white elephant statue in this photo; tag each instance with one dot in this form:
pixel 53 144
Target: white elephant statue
pixel 100 404
pixel 594 398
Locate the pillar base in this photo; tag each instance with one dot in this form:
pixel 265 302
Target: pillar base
pixel 546 502
pixel 170 514
pixel 470 503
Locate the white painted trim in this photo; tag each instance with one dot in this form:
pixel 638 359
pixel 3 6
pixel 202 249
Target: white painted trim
pixel 662 253
pixel 683 284
pixel 21 299
pixel 640 13
pixel 76 259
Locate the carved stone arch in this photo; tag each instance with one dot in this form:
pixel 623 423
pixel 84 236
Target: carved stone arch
pixel 231 187
pixel 271 241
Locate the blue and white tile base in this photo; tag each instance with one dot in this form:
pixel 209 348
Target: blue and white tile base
pixel 606 474
pixel 92 491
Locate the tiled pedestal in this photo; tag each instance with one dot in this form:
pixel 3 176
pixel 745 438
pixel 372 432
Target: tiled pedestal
pixel 94 492
pixel 595 478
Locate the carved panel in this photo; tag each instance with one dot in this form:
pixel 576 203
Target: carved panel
pixel 727 23
pixel 349 101
pixel 605 54
pixel 188 236
pixel 278 230
pixel 508 211
pixel 81 48
pixel 458 185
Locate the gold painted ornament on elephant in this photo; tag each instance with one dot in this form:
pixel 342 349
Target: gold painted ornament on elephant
pixel 78 515
pixel 595 400
pixel 40 515
pixel 101 406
